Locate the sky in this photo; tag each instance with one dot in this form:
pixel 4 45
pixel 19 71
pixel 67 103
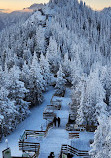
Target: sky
pixel 11 5
pixel 98 4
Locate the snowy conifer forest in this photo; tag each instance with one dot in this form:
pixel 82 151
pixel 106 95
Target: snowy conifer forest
pixel 63 42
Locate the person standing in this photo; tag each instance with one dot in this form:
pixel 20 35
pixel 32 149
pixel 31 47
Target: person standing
pixel 58 121
pixel 51 155
pixel 54 121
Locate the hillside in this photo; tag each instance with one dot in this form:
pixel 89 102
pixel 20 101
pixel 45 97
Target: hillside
pixel 63 42
pixel 107 12
pixel 10 19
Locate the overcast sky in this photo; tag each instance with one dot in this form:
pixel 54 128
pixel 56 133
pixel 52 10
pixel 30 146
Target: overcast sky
pixel 20 4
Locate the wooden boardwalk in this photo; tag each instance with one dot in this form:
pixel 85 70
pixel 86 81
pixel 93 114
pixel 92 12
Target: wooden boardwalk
pixel 57 135
pixel 56 139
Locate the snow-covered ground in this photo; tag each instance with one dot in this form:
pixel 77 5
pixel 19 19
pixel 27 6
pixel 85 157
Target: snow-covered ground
pixel 33 122
pixel 56 135
pixel 83 142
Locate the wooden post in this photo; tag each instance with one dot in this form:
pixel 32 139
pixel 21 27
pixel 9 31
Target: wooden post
pixel 22 146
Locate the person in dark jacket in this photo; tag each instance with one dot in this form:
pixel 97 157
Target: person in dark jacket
pixel 54 121
pixel 52 155
pixel 58 121
pixel 69 155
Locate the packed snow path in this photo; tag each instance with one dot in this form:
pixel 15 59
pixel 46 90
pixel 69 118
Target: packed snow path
pixel 33 122
pixel 57 135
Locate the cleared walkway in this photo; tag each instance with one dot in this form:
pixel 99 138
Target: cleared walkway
pixel 57 135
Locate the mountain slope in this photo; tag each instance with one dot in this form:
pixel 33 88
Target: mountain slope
pixel 66 37
pixel 107 12
pixel 7 20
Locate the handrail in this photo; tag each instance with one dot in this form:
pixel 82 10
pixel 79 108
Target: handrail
pixel 31 133
pixel 69 149
pixel 52 98
pixel 35 133
pixel 49 115
pixel 29 146
pixel 73 135
pixel 74 127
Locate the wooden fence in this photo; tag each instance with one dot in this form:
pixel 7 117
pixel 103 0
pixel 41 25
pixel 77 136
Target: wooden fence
pixel 33 133
pixel 33 156
pixel 48 115
pixel 54 106
pixel 56 103
pixel 65 149
pixel 73 135
pixel 74 127
pixel 30 146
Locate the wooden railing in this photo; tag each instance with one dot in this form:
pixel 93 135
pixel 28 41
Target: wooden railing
pixel 52 99
pixel 50 124
pixel 73 135
pixel 23 137
pixel 29 146
pixel 55 103
pixel 65 149
pixel 48 115
pixel 33 156
pixel 54 106
pixel 32 133
pixel 74 127
pixel 71 127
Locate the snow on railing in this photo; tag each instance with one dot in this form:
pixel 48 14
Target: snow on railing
pixel 73 135
pixel 75 127
pixel 67 149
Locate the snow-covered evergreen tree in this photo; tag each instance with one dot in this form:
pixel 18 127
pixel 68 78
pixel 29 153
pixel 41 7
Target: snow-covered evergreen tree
pixel 93 95
pixel 17 92
pixel 9 111
pixel 36 82
pixel 53 55
pixel 60 83
pixel 66 66
pixel 102 138
pixel 45 70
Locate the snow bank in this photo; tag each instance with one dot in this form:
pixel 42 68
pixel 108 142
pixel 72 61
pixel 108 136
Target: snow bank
pixel 33 122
